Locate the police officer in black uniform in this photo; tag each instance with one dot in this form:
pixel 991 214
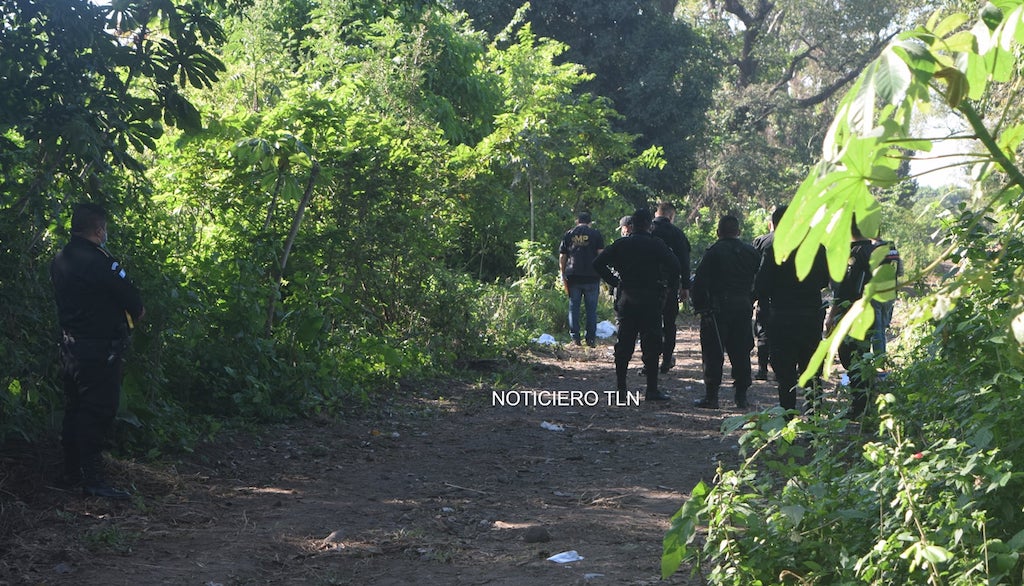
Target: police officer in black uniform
pixel 793 315
pixel 677 242
pixel 723 296
pixel 760 315
pixel 97 306
pixel 641 268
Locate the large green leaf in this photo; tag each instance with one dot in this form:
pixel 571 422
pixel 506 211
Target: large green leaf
pixel 892 77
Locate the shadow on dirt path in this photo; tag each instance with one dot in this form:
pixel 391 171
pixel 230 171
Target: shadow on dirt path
pixel 444 488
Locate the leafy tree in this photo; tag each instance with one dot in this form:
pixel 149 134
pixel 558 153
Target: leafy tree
pixel 787 62
pixel 657 72
pixel 327 242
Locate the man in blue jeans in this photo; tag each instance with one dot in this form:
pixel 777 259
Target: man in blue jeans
pixel 580 246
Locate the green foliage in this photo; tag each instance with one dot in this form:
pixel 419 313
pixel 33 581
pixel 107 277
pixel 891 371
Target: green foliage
pixel 85 89
pixel 927 491
pixel 658 72
pixel 302 252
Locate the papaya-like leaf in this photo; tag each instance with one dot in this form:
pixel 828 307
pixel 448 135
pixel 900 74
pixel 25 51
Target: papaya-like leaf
pixel 948 24
pixel 1008 29
pixel 1000 64
pixel 682 530
pixel 892 77
pixel 961 42
pixel 976 75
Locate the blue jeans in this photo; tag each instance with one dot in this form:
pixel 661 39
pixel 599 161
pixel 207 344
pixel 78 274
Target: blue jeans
pixel 589 293
pixel 883 317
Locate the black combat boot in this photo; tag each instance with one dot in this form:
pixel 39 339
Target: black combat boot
pixel 710 400
pixel 741 399
pixel 667 364
pixel 621 371
pixel 72 475
pixel 94 482
pixel 653 394
pixel 762 363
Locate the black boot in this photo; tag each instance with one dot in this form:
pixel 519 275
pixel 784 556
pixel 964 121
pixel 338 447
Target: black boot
pixel 710 400
pixel 762 363
pixel 71 477
pixel 94 482
pixel 787 398
pixel 741 398
pixel 858 406
pixel 667 364
pixel 653 394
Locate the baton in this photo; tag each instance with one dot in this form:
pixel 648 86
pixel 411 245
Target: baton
pixel 718 335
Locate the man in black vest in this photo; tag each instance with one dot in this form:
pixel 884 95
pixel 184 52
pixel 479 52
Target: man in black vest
pixel 97 306
pixel 760 314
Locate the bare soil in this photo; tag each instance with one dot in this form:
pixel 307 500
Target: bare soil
pixel 438 487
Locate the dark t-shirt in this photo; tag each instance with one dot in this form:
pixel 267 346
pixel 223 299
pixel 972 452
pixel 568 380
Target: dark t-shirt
pixel 581 245
pixel 93 292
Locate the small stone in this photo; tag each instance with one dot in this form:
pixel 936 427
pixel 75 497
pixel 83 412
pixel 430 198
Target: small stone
pixel 536 534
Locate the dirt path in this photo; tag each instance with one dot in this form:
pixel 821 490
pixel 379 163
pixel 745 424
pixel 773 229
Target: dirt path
pixel 442 488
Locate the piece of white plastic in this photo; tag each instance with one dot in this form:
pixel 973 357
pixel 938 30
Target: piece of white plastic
pixel 565 557
pixel 546 340
pixel 605 329
pixel 551 426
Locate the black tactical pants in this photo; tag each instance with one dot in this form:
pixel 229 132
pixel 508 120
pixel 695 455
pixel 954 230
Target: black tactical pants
pixel 91 371
pixel 639 312
pixel 727 332
pixel 793 337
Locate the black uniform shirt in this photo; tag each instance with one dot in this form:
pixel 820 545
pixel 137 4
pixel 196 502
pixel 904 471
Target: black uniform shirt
pixel 777 286
pixel 677 243
pixel 93 292
pixel 725 275
pixel 642 262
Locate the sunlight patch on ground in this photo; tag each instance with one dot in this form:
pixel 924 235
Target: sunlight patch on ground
pixel 265 490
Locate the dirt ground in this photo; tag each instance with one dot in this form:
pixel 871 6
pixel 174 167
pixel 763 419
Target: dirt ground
pixel 439 487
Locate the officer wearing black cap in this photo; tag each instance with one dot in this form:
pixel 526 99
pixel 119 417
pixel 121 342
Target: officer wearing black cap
pixel 642 268
pixel 97 306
